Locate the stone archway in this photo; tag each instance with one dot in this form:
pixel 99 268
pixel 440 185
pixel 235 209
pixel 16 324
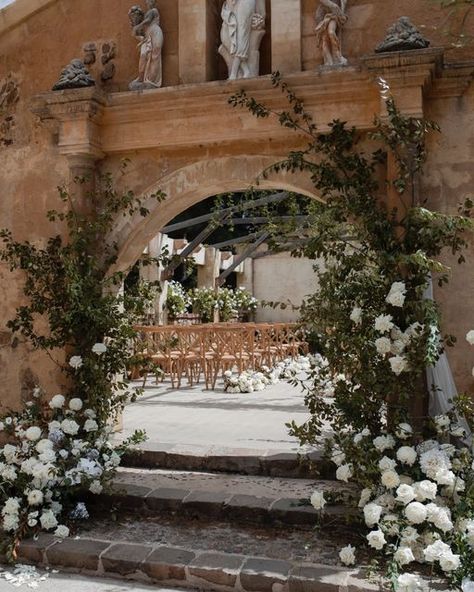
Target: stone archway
pixel 191 184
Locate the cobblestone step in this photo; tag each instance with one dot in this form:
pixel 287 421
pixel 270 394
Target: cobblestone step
pixel 264 462
pixel 190 568
pixel 235 498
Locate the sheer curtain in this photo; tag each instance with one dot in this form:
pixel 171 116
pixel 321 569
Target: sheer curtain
pixel 441 382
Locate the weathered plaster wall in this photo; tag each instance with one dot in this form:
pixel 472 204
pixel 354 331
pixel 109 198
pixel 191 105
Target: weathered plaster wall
pixel 33 52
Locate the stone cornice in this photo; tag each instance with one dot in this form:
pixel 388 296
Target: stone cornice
pixel 14 14
pixel 197 116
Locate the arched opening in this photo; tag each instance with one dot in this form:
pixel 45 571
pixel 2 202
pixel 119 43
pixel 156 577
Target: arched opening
pixel 197 412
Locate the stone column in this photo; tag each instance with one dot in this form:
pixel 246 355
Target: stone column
pixel 286 36
pixel 209 272
pixel 195 42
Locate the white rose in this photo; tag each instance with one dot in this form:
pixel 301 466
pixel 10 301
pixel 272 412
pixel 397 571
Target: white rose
pixel 33 434
pixel 386 464
pixel 376 539
pixel 436 550
pixel 48 520
pixel 470 337
pixel 347 555
pixel 445 477
pixel 398 347
pixel 409 535
pixel 404 555
pixel 317 500
pixel 344 473
pixel 44 445
pixel 383 345
pixel 338 457
pixel 449 562
pixel 416 512
pixel 396 296
pixel 372 514
pixel 90 425
pixel 383 443
pixel 407 455
pixel 383 323
pixel 410 583
pixel 99 349
pixel 404 431
pixel 61 531
pixel 75 362
pixel 365 496
pixel 390 479
pixel 69 426
pixel 57 402
pixel 75 404
pixel 35 497
pixel 405 494
pixel 425 490
pixel 356 315
pixel 398 364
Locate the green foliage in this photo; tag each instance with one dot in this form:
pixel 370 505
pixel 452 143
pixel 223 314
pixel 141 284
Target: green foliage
pixel 72 299
pixel 367 248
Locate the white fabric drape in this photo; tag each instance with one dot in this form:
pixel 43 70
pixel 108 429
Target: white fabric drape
pixel 441 382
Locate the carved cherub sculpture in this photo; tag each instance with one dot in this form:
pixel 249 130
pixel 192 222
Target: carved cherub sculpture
pixel 330 20
pixel 146 28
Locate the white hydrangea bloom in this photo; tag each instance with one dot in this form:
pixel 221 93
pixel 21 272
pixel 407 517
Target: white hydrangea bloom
pixel 70 427
pixel 75 404
pixel 99 349
pixel 33 433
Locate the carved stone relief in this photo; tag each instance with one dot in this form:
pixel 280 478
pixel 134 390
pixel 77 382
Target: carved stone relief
pixel 99 56
pixel 330 20
pixel 243 28
pixel 146 29
pixel 402 36
pixel 74 75
pixel 9 97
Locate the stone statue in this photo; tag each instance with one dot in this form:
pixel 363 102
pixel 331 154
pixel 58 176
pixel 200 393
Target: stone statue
pixel 402 36
pixel 74 75
pixel 330 20
pixel 146 28
pixel 243 28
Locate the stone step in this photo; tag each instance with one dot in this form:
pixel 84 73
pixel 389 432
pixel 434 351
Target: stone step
pixel 245 461
pixel 269 501
pixel 185 567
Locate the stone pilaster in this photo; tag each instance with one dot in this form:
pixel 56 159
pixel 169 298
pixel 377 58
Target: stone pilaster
pixel 286 36
pixel 195 43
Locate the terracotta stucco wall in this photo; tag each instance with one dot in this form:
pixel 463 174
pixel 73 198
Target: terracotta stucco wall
pixel 33 53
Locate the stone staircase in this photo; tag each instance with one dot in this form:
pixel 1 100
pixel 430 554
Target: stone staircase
pixel 247 529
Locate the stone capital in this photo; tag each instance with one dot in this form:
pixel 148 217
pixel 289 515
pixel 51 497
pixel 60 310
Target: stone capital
pixel 78 114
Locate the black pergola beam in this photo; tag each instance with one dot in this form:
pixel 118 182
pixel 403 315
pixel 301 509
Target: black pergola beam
pixel 274 198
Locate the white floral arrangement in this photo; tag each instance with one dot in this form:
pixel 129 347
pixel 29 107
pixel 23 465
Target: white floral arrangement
pixel 55 454
pixel 252 381
pixel 417 501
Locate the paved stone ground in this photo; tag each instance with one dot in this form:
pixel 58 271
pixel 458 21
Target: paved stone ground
pixel 77 583
pixel 192 416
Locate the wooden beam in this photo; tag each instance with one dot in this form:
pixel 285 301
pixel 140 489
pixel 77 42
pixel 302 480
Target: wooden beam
pixel 237 240
pixel 242 257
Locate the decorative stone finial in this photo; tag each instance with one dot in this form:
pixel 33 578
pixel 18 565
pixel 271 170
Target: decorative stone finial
pixel 402 36
pixel 74 75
